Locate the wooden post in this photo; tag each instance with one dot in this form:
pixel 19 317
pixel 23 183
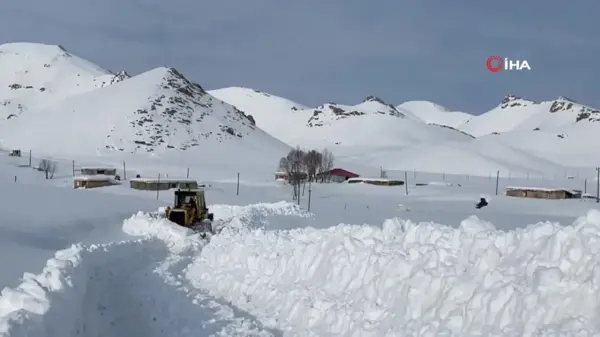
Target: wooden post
pixel 15 179
pixel 298 190
pixel 188 173
pixel 406 182
pixel 124 171
pixel 497 179
pixel 237 192
pixel 73 168
pixel 309 193
pixel 585 186
pixel 597 184
pixel 29 158
pixel 157 186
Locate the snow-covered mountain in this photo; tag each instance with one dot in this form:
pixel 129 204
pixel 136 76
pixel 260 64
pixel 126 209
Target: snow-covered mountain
pixel 58 104
pixel 425 136
pixel 276 115
pixel 85 110
pixel 366 126
pixel 520 114
pixel 432 113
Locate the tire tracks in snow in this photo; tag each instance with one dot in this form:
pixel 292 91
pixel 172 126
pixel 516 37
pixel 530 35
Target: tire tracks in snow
pixel 129 288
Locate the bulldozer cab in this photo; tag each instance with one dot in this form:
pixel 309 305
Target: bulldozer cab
pixel 189 209
pixel 191 198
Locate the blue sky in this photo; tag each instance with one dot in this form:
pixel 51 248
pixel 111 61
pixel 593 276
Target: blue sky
pixel 342 51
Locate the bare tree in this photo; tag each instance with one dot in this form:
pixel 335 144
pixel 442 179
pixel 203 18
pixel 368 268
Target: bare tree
pixel 48 167
pixel 312 160
pixel 326 164
pixel 293 165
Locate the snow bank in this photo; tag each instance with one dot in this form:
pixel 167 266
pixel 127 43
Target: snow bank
pixel 256 215
pixel 412 280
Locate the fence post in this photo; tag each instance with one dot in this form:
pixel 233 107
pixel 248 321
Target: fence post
pixel 157 186
pixel 124 171
pixel 309 193
pixel 15 179
pixel 29 158
pixel 585 186
pixel 405 182
pixel 597 184
pixel 187 175
pixel 237 192
pixel 497 179
pixel 73 168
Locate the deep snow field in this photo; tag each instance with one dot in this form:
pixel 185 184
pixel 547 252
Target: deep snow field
pixel 98 263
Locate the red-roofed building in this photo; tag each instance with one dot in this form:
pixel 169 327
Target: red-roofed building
pixel 338 175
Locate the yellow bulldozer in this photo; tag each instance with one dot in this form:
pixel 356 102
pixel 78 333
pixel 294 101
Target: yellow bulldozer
pixel 189 210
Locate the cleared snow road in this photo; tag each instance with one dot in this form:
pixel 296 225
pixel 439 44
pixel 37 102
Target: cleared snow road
pixel 130 288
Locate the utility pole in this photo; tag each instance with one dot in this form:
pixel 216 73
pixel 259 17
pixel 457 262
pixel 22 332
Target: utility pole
pixel 597 184
pixel 157 186
pixel 497 179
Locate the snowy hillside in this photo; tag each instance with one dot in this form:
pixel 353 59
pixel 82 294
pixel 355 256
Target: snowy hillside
pixel 37 75
pixel 157 112
pixel 276 115
pixel 520 114
pixel 52 97
pixel 369 125
pixel 433 113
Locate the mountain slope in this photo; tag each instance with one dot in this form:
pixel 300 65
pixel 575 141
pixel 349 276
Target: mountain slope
pixel 433 113
pixel 37 75
pixel 276 115
pixel 368 125
pixel 156 112
pixel 519 114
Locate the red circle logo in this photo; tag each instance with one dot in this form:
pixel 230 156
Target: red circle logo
pixel 497 60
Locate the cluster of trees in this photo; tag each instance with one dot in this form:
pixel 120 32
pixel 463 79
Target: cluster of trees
pixel 301 165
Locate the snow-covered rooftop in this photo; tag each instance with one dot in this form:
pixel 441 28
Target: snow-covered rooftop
pixel 95 177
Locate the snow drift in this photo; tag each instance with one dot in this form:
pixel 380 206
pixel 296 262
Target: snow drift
pixel 401 279
pixel 412 280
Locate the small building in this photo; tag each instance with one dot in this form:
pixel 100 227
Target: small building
pixel 376 181
pixel 90 171
pixel 337 175
pixel 93 181
pixel 542 193
pixel 162 184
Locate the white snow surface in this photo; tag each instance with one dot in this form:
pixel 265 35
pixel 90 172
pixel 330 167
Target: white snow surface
pixel 406 279
pixel 520 114
pixel 413 260
pixel 430 112
pixel 400 279
pixel 88 263
pixel 161 116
